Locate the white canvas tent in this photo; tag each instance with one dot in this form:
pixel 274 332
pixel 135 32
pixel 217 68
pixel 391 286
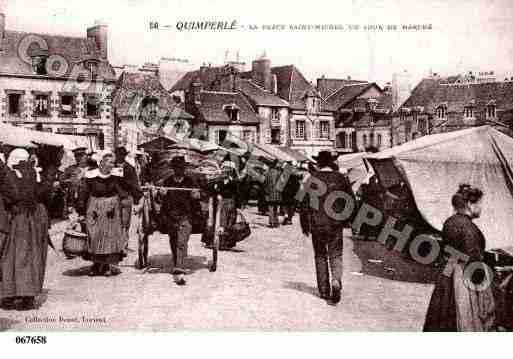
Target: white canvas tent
pixel 25 137
pixel 433 167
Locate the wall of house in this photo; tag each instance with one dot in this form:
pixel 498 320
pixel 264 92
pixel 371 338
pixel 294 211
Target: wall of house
pixel 55 122
pixel 281 123
pixel 235 130
pixel 348 132
pixel 312 143
pixel 384 132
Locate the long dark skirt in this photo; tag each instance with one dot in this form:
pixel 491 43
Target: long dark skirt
pixel 441 314
pixel 24 256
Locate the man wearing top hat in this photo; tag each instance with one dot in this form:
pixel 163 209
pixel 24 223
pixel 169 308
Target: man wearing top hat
pixel 177 212
pixel 323 224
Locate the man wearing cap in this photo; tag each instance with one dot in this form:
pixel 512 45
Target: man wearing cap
pixel 73 175
pixel 177 212
pixel 130 184
pixel 326 229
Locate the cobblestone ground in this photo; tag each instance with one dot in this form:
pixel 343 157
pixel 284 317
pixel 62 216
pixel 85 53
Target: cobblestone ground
pixel 267 283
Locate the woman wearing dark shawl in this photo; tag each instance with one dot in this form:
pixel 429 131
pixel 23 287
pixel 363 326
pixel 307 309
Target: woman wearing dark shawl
pixel 24 255
pixel 99 205
pixel 457 303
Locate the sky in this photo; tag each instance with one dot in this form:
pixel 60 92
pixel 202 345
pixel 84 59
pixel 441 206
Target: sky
pixel 474 35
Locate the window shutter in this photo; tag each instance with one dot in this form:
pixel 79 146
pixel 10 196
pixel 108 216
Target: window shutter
pixel 22 105
pixel 308 130
pixel 293 129
pixel 332 130
pixel 317 125
pixel 58 102
pixel 267 135
pixel 75 105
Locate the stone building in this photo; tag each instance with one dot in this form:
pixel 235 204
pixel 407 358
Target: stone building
pixel 57 83
pixel 361 110
pixel 444 104
pixel 290 110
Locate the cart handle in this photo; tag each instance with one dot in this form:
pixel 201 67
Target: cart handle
pixel 171 188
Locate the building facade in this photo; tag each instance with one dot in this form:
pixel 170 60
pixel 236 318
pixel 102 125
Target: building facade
pixel 290 110
pixel 444 104
pixel 58 83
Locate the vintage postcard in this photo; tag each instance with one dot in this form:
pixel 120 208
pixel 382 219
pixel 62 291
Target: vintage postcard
pixel 339 166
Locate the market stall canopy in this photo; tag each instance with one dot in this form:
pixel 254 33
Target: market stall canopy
pixel 355 166
pixel 298 156
pixel 433 167
pixel 25 137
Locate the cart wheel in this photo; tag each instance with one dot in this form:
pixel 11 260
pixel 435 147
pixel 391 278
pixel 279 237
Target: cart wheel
pixel 143 252
pixel 215 244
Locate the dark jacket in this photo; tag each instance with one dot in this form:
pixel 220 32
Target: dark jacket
pixel 271 186
pixel 320 219
pixel 463 235
pixel 130 182
pixel 178 204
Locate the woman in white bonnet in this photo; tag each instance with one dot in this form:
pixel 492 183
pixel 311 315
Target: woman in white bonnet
pixel 24 255
pixel 99 206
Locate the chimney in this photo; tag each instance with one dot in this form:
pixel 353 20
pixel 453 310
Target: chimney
pixel 99 33
pixel 196 92
pixel 261 72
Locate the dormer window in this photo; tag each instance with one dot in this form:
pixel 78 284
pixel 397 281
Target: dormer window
pixel 39 58
pixel 372 103
pixel 469 112
pixel 441 111
pixel 232 111
pixel 92 65
pixel 491 110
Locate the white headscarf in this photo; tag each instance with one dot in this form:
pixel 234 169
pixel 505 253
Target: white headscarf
pixel 15 157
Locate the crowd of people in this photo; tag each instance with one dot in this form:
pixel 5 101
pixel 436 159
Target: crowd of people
pixel 103 190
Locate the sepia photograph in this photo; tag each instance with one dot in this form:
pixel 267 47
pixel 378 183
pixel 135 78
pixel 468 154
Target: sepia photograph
pixel 227 166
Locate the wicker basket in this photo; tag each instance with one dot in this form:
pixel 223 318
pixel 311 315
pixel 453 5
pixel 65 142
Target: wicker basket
pixel 74 243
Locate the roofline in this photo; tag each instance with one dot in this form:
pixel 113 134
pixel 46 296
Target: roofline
pixel 54 78
pixel 285 103
pixel 48 34
pixel 369 85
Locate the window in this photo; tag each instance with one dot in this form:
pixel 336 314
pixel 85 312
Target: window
pixel 247 136
pixel 67 105
pixel 324 129
pixel 39 64
pixel 300 129
pixel 469 112
pixel 41 105
pixel 275 114
pixel 379 140
pixel 92 106
pixel 364 138
pixel 232 111
pixel 491 111
pixel 371 139
pixel 221 136
pixel 14 100
pixel 92 65
pixel 341 140
pixel 350 140
pixel 441 111
pixel 275 136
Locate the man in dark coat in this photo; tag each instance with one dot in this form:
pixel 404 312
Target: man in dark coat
pixel 130 184
pixel 73 175
pixel 177 211
pixel 289 193
pixel 273 193
pixel 326 229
